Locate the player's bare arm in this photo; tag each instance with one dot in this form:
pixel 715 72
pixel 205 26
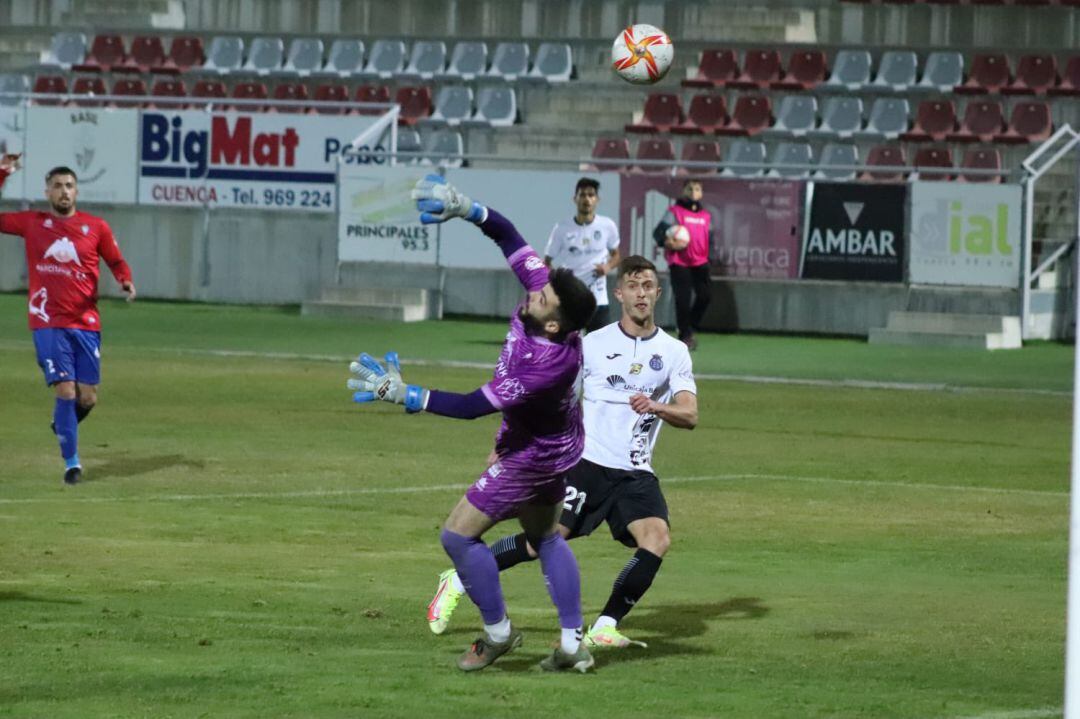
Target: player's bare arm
pixel 681 413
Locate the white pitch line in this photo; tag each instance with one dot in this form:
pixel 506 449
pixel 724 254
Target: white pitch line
pixel 1043 713
pixel 359 491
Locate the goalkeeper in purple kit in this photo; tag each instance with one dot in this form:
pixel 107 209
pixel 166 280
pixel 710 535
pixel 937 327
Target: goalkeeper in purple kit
pixel 541 437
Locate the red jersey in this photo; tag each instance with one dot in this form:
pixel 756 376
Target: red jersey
pixel 62 255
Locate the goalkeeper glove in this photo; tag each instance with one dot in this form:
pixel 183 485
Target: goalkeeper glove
pixel 384 383
pixel 439 201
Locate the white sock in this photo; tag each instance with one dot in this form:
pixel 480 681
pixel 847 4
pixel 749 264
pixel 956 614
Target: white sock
pixel 498 632
pixel 455 582
pixel 604 621
pixel 570 640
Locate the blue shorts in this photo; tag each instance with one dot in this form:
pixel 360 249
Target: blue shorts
pixel 69 355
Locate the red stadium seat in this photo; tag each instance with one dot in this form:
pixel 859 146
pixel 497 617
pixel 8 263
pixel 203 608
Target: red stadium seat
pixel 290 91
pixel 760 69
pixel 1069 83
pixel 707 112
pixel 185 53
pixel 701 151
pixel 933 157
pixel 50 85
pixel 655 149
pixel 130 87
pixel 1030 122
pixel 885 156
pixel 87 87
pixel 806 69
pixel 415 104
pixel 146 52
pixel 983 120
pixel 981 158
pixel 372 93
pixel 331 92
pixel 1035 75
pixel 989 73
pixel 250 91
pixel 716 69
pixel 167 87
pixel 615 151
pixel 210 90
pixel 934 120
pixel 663 110
pixel 752 114
pixel 105 52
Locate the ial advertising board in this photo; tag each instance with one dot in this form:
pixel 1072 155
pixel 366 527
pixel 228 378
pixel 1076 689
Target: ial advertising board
pixel 855 232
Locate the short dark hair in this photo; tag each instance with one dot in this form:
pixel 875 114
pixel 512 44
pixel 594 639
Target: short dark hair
pixel 587 182
pixel 60 170
pixel 576 301
pixel 634 264
pixel 689 180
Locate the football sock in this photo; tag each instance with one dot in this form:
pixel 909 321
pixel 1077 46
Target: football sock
pixel 455 582
pixel 632 583
pixel 562 578
pixel 81 412
pixel 498 632
pixel 570 640
pixel 511 551
pixel 67 429
pixel 479 574
pixel 604 621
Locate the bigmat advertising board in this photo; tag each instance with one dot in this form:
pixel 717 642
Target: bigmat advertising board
pixel 275 160
pixel 755 222
pixel 855 232
pixel 965 234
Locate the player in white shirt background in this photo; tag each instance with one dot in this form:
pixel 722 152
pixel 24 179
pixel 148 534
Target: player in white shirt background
pixel 588 245
pixel 635 377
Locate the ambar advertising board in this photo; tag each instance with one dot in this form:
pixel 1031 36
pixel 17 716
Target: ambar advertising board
pixel 855 232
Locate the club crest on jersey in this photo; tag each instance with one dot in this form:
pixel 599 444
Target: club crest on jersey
pixel 63 250
pixel 656 363
pixel 615 380
pixel 636 368
pixel 48 222
pixel 86 229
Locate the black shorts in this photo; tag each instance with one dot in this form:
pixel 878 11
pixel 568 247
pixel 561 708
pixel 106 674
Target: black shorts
pixel 596 494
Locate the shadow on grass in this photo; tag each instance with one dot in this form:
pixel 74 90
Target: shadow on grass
pixel 23 597
pixel 134 466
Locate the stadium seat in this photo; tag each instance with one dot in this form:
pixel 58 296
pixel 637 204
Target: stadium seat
pixel 408 141
pixel 836 160
pixel 840 117
pixel 934 121
pixel 760 69
pixel 715 69
pixel 331 92
pixel 495 107
pixel 387 59
pixel 885 156
pixel 185 53
pixel 663 111
pixel 209 90
pixel 989 73
pixel 981 158
pixel 1029 122
pixel 85 88
pixel 249 91
pixel 1069 82
pixel 748 158
pixel 751 115
pixel 453 104
pixel 707 112
pixel 927 157
pixel 305 57
pixel 291 91
pixel 983 120
pixel 12 85
pixel 147 51
pixel 372 93
pixel 888 119
pixel 806 70
pixel 169 87
pixel 851 70
pixel 510 62
pixel 129 87
pixel 468 61
pixel 266 55
pixel 346 57
pixel 791 153
pixel 896 71
pixel 428 59
pixel 796 115
pixel 105 52
pixel 49 85
pixel 943 71
pixel 226 54
pixel 66 50
pixel 614 154
pixel 554 63
pixel 705 151
pixel 445 148
pixel 656 150
pixel 415 104
pixel 1035 75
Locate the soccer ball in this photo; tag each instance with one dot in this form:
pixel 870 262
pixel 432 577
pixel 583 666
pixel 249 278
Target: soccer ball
pixel 680 237
pixel 642 54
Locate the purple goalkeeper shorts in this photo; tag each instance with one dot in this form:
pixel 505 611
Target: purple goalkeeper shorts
pixel 502 491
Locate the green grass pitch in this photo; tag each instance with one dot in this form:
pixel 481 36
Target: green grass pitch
pixel 252 544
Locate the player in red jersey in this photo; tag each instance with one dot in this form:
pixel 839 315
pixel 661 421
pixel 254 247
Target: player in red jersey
pixel 63 248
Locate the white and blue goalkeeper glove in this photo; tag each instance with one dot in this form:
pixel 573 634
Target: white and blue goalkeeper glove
pixel 439 201
pixel 384 383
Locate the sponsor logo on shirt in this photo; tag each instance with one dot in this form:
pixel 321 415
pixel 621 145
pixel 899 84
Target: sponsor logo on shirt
pixel 38 301
pixel 510 389
pixel 636 368
pixel 533 263
pixel 656 363
pixel 615 380
pixel 63 251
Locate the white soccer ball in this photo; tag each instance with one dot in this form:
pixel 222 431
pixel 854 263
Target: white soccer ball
pixel 680 237
pixel 642 54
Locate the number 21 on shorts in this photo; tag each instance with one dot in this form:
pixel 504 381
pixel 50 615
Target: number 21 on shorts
pixel 572 495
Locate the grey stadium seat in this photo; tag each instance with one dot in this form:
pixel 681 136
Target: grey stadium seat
pixel 851 70
pixel 444 147
pixel 428 59
pixel 897 71
pixel 65 50
pixel 495 106
pixel 386 60
pixel 468 60
pixel 453 104
pixel 791 153
pixel 265 55
pixel 305 56
pixel 225 55
pixel 511 61
pixel 943 72
pixel 796 115
pixel 888 118
pixel 749 151
pixel 841 117
pixel 554 63
pixel 408 140
pixel 13 84
pixel 836 154
pixel 346 58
